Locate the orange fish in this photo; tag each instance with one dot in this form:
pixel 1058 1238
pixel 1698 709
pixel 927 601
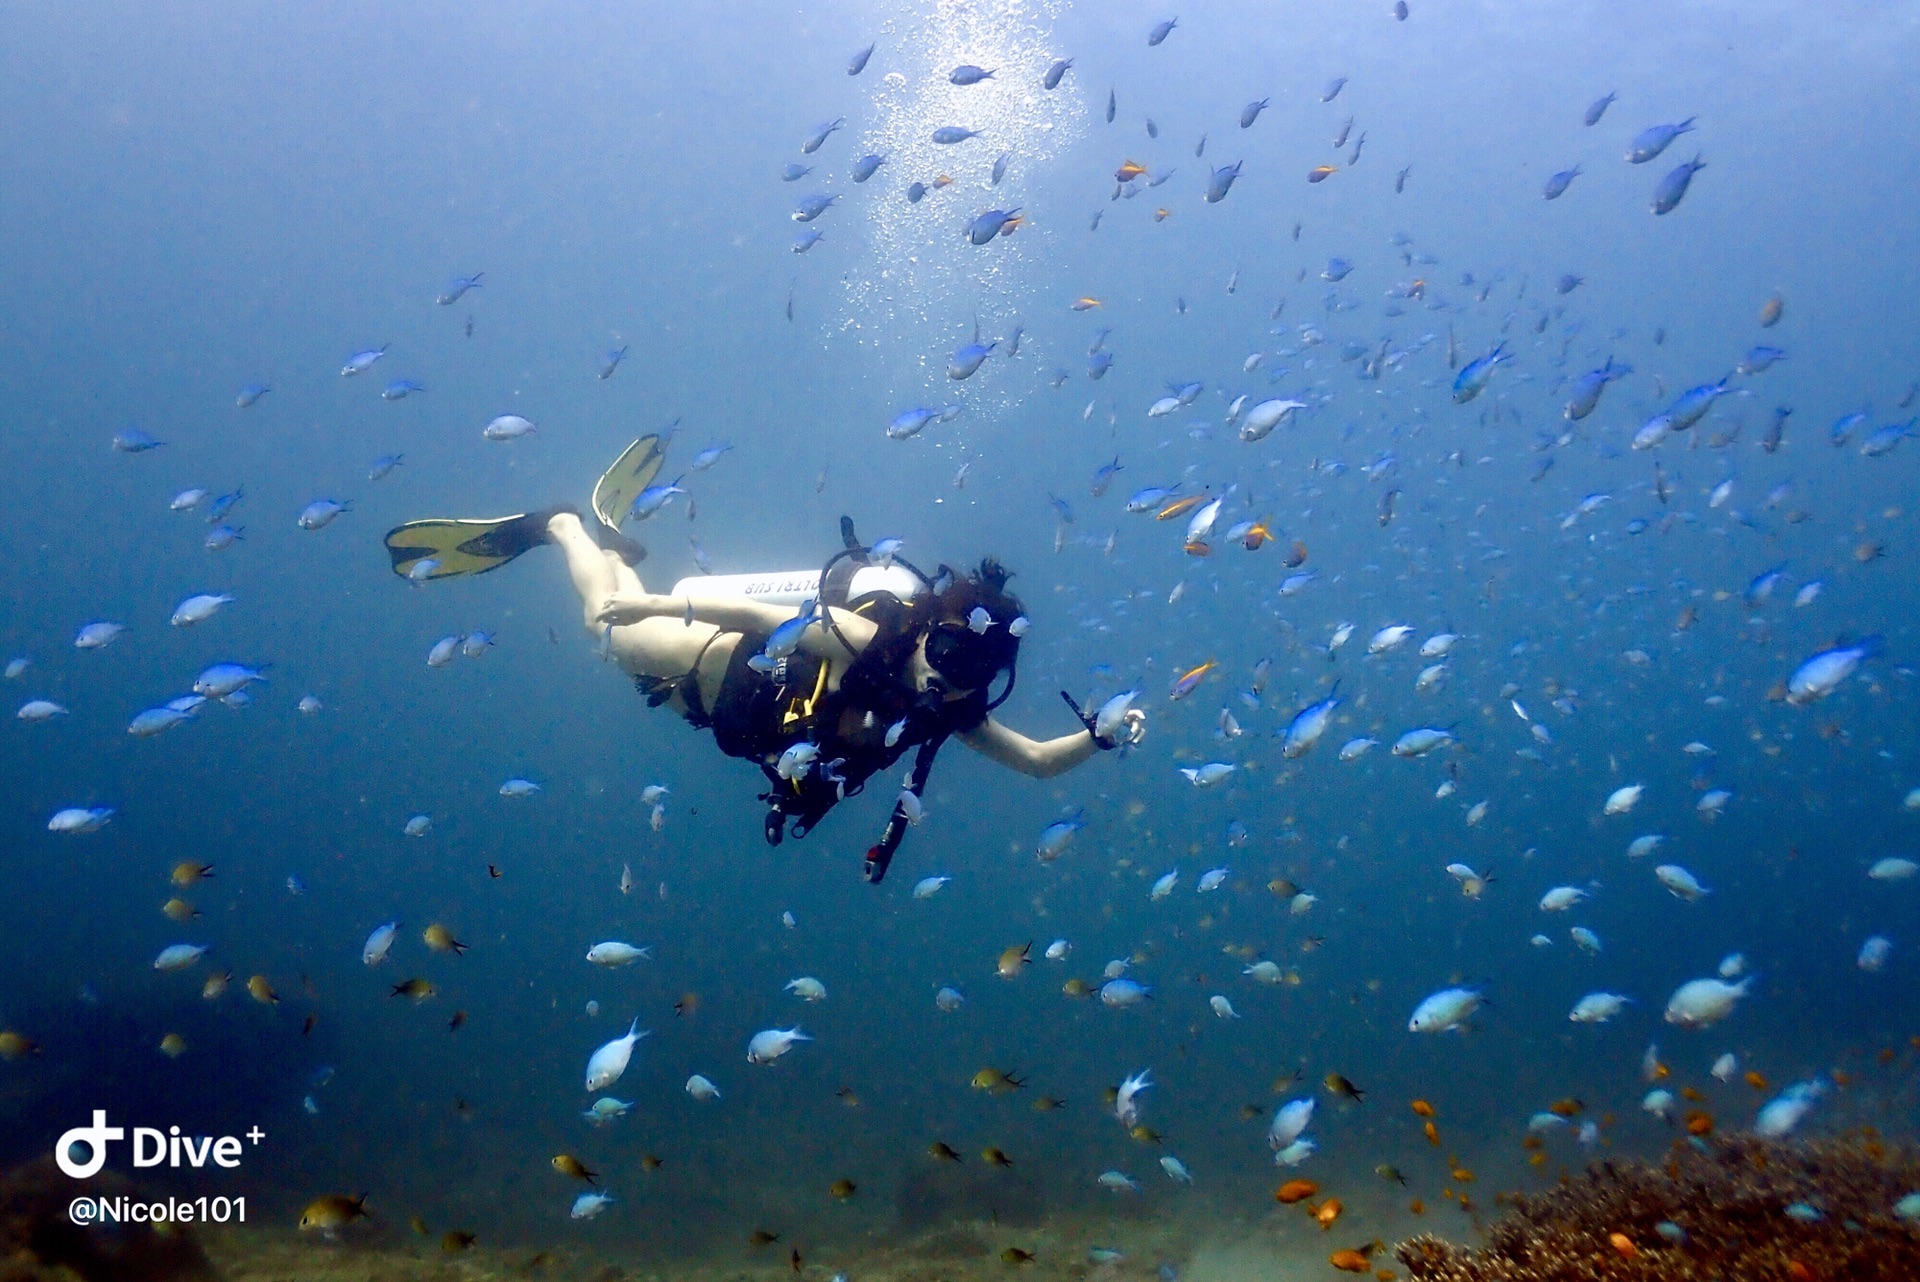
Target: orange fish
pixel 1188 681
pixel 1568 1107
pixel 1086 304
pixel 1349 1261
pixel 1180 507
pixel 1417 1207
pixel 1623 1244
pixel 1422 1109
pixel 1433 1134
pixel 1162 214
pixel 1799 1272
pixel 1327 1212
pixel 941 181
pixel 1320 173
pixel 1756 1081
pixel 1699 1123
pixel 1006 228
pixel 1295 1191
pixel 1129 171
pixel 1257 534
pixel 1296 555
pixel 1198 547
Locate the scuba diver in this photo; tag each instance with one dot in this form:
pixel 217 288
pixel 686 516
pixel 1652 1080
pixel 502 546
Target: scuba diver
pixel 878 658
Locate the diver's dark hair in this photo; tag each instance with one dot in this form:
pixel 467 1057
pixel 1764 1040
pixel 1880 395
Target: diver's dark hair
pixel 986 587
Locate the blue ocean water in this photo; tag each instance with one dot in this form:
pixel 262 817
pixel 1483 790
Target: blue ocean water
pixel 201 198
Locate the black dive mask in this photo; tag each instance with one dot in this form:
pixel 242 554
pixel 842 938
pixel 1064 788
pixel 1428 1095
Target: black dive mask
pixel 965 659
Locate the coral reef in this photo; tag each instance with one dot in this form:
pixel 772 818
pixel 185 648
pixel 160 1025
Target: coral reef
pixel 1736 1208
pixel 39 1243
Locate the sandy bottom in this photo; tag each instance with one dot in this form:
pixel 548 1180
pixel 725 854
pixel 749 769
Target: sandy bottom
pixel 1273 1248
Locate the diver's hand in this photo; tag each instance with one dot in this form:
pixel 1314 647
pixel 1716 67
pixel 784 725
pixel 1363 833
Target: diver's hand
pixel 1133 728
pixel 622 608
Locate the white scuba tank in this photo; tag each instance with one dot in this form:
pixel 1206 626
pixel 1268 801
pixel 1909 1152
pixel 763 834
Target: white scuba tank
pixel 795 587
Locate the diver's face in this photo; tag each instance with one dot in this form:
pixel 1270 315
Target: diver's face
pixel 925 678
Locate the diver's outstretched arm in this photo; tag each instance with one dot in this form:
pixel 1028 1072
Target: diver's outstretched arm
pixel 740 615
pixel 1039 759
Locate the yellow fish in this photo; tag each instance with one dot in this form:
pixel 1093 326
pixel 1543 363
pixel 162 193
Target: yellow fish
pixel 441 940
pixel 1013 959
pixel 333 1211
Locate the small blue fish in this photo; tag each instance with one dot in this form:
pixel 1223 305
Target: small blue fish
pixel 1161 31
pixel 947 135
pixel 807 240
pixel 1651 141
pixel 1598 108
pixel 361 362
pixel 1103 478
pixel 910 423
pixel 250 394
pixel 1694 403
pixel 1760 587
pixel 984 228
pixel 1333 89
pixel 1308 725
pixel 1557 185
pixel 968 74
pixel 611 362
pixel 1150 498
pixel 794 172
pixel 1336 269
pixel 1061 508
pixel 131 440
pixel 915 191
pixel 400 389
pixel 1220 182
pixel 1055 837
pixel 653 498
pixel 1098 364
pixel 1251 112
pixel 383 465
pixel 1054 73
pixel 786 638
pixel 224 504
pixel 457 288
pixel 811 207
pixel 968 359
pixel 1884 440
pixel 858 63
pixel 708 457
pixel 999 168
pixel 820 135
pixel 1759 359
pixel 1587 389
pixel 1843 429
pixel 1473 376
pixel 1673 188
pixel 319 514
pixel 864 167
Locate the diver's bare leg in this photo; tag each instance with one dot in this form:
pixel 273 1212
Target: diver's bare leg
pixel 593 577
pixel 652 647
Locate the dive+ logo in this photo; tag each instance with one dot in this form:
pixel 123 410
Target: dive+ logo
pixel 151 1147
